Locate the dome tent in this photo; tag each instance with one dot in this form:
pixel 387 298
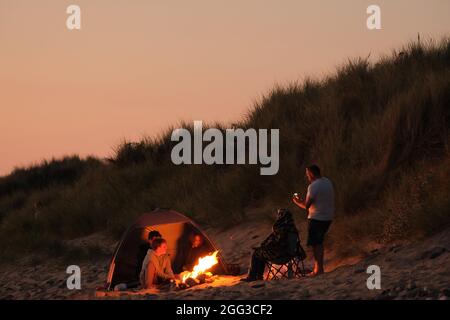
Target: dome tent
pixel 174 227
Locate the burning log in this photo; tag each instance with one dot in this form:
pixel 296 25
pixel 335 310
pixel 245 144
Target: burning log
pixel 199 273
pixel 190 282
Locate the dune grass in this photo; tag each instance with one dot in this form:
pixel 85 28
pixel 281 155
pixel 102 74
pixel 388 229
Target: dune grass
pixel 379 131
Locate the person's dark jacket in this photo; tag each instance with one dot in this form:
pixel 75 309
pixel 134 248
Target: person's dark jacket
pixel 282 243
pixel 192 256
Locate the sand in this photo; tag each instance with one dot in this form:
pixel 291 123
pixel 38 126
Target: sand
pixel 408 271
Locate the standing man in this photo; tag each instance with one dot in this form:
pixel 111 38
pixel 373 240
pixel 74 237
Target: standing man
pixel 320 205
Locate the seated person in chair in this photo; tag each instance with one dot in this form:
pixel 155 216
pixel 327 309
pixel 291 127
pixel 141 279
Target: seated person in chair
pixel 279 247
pixel 196 250
pixel 156 267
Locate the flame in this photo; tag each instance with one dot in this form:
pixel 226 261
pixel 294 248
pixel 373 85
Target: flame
pixel 204 263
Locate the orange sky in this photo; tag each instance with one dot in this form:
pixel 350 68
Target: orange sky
pixel 137 66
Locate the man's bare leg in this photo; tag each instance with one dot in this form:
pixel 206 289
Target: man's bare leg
pixel 318 260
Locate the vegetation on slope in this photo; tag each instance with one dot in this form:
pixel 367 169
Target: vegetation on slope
pixel 379 131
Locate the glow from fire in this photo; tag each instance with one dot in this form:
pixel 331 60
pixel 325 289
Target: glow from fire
pixel 204 264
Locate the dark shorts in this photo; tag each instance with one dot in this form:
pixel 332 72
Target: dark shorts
pixel 316 231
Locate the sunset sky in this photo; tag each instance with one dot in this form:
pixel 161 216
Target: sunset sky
pixel 138 66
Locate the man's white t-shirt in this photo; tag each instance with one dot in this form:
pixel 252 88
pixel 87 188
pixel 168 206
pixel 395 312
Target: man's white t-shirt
pixel 321 195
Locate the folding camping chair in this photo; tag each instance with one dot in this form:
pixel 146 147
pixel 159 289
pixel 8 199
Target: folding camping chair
pixel 287 268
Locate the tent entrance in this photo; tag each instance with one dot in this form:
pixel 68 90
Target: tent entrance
pixel 173 226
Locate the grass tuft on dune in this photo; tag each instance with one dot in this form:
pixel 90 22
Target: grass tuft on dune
pixel 379 131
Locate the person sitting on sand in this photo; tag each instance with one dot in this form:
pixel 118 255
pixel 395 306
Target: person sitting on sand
pixel 320 205
pixel 281 244
pixel 196 250
pixel 143 249
pixel 156 267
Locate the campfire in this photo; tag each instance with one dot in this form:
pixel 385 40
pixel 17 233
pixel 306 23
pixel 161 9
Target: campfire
pixel 199 273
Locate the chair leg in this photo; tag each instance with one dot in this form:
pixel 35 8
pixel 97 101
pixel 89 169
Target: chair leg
pixel 290 270
pixel 269 271
pixel 295 269
pixel 284 273
pixel 277 272
pixel 303 270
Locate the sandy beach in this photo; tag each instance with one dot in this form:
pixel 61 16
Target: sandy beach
pixel 408 271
